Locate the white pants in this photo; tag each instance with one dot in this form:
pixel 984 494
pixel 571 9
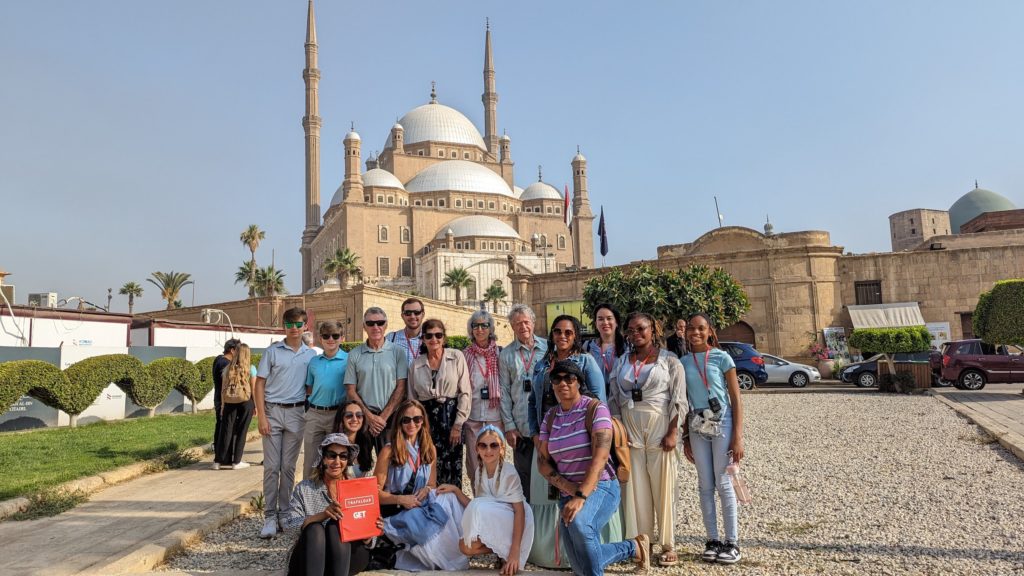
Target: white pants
pixel 652 479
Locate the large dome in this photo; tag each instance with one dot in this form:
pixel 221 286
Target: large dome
pixel 477 226
pixel 460 176
pixel 973 204
pixel 540 191
pixel 438 123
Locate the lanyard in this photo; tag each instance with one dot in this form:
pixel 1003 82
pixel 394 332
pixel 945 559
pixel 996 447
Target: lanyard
pixel 527 364
pixel 638 367
pixel 408 342
pixel 415 464
pixel 604 358
pixel 482 370
pixel 703 375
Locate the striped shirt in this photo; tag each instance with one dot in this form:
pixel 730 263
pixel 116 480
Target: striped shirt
pixel 569 441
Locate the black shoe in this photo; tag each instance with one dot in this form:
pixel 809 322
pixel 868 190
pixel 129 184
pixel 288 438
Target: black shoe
pixel 711 548
pixel 729 553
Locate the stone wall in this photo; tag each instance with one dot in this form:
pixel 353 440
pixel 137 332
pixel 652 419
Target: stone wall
pixel 990 221
pixel 912 227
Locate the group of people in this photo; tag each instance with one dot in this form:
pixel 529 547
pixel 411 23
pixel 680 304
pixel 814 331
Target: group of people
pixel 542 426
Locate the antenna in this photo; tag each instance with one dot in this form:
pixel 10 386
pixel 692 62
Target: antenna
pixel 718 212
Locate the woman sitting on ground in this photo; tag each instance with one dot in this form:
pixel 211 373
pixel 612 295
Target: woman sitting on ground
pixel 427 522
pixel 351 422
pixel 499 503
pixel 315 507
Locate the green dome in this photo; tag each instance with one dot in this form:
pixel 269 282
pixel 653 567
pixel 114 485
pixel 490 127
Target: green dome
pixel 973 204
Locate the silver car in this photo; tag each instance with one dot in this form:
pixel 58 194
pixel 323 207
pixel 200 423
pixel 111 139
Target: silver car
pixel 781 370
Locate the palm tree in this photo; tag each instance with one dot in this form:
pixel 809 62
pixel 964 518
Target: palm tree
pixel 246 275
pixel 495 294
pixel 343 263
pixel 269 281
pixel 170 284
pixel 132 291
pixel 458 279
pixel 251 238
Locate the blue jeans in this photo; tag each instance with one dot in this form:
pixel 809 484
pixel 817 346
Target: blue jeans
pixel 711 457
pixel 582 537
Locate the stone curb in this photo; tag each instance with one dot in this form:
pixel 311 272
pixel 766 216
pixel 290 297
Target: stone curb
pixel 97 482
pixel 1007 438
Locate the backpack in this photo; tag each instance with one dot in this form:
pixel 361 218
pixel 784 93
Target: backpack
pixel 235 393
pixel 618 455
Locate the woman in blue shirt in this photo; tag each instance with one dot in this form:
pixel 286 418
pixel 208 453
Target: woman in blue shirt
pixel 715 433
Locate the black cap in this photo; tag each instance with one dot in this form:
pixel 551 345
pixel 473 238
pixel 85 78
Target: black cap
pixel 568 367
pixel 231 345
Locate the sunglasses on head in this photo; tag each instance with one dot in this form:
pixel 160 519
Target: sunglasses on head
pixel 331 455
pixel 432 335
pixel 294 325
pixel 411 419
pixel 411 312
pixel 481 325
pixel 486 445
pixel 353 415
pixel 375 322
pixel 330 336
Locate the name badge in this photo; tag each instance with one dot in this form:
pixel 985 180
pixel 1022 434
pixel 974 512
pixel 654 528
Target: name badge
pixel 638 395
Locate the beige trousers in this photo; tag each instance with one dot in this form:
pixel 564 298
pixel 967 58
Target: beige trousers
pixel 652 480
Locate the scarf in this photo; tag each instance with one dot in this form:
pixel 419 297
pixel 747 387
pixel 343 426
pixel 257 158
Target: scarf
pixel 490 356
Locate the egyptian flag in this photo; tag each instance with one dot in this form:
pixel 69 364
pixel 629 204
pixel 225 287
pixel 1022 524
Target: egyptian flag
pixel 565 210
pixel 603 234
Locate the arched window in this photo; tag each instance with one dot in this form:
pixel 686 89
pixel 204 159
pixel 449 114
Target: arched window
pixel 458 203
pixel 406 233
pixel 440 153
pixel 382 233
pixel 561 242
pixel 441 202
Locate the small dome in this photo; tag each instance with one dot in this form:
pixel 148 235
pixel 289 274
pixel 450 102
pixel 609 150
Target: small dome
pixel 578 158
pixel 505 138
pixel 353 135
pixel 460 176
pixel 339 195
pixel 973 204
pixel 540 191
pixel 477 226
pixel 381 178
pixel 438 123
pixel 397 126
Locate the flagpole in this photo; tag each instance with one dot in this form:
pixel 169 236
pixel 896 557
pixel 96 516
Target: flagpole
pixel 718 212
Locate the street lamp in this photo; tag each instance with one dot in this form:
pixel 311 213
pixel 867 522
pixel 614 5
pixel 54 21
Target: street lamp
pixel 215 315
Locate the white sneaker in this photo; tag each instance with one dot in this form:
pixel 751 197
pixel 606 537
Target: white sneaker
pixel 240 466
pixel 269 528
pixel 216 466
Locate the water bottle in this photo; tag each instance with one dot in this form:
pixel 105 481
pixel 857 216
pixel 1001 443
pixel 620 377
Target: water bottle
pixel 739 485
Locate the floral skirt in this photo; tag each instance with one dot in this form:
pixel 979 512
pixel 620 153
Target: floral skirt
pixel 441 415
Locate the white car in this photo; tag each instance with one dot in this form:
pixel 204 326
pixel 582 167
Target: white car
pixel 781 370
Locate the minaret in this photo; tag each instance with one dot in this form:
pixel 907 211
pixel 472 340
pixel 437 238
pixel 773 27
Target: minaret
pixel 352 186
pixel 311 126
pixel 582 217
pixel 490 97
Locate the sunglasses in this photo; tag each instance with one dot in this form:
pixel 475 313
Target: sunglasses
pixel 563 378
pixel 638 330
pixel 432 335
pixel 411 419
pixel 485 445
pixel 330 336
pixel 559 332
pixel 329 455
pixel 375 322
pixel 481 325
pixel 353 415
pixel 411 312
pixel 294 325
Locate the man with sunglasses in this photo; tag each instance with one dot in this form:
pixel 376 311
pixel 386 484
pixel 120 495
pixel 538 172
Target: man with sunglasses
pixel 410 337
pixel 376 374
pixel 324 392
pixel 280 395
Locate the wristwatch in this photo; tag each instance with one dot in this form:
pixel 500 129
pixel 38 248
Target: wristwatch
pixel 580 494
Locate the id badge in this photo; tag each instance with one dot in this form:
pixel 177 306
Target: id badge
pixel 485 393
pixel 527 385
pixel 638 395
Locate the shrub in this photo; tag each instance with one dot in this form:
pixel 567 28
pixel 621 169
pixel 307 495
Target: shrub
pixel 255 358
pixel 348 346
pixel 458 342
pixel 999 316
pixel 892 340
pixel 12 386
pixel 205 369
pixel 179 374
pixel 93 374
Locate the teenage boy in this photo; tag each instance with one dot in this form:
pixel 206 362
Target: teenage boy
pixel 375 376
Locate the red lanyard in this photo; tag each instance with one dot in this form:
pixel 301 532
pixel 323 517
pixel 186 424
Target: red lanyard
pixel 408 342
pixel 527 363
pixel 638 367
pixel 483 370
pixel 704 375
pixel 415 465
pixel 604 359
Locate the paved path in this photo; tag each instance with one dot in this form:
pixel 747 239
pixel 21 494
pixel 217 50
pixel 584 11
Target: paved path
pixel 998 408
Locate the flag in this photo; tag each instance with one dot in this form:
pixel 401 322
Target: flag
pixel 603 234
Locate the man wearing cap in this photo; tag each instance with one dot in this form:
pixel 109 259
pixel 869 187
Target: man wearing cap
pixel 219 364
pixel 376 374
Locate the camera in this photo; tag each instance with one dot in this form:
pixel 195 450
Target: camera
pixel 715 405
pixel 485 393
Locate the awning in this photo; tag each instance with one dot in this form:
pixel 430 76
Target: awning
pixel 886 315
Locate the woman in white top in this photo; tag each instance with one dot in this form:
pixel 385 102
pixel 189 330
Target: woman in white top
pixel 485 387
pixel 648 391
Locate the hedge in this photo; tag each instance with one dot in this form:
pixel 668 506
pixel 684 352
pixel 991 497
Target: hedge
pixel 41 380
pixel 892 340
pixel 182 375
pixel 999 316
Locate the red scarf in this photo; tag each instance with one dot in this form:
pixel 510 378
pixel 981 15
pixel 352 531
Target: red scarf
pixel 490 356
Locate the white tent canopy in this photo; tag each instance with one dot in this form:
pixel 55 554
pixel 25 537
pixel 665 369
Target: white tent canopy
pixel 894 315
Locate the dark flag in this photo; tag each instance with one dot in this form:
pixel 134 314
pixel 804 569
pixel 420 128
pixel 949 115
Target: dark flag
pixel 603 234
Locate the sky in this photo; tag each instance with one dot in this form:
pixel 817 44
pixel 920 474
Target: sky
pixel 146 136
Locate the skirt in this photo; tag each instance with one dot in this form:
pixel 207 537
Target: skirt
pixel 441 415
pixel 490 521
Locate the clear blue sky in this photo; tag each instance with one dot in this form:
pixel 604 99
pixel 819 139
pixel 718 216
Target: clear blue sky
pixel 143 136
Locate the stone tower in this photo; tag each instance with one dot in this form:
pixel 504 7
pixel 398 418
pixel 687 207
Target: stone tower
pixel 311 126
pixel 353 184
pixel 490 98
pixel 582 216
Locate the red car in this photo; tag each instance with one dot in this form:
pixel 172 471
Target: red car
pixel 970 364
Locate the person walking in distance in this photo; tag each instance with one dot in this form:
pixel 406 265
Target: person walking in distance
pixel 515 371
pixel 280 395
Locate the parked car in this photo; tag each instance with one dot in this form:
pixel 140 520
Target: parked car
pixel 970 364
pixel 865 373
pixel 749 364
pixel 782 370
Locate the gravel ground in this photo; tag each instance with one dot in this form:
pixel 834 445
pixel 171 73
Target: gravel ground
pixel 858 483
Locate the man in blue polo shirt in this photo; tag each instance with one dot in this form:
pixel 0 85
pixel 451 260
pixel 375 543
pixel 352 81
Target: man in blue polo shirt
pixel 324 392
pixel 280 395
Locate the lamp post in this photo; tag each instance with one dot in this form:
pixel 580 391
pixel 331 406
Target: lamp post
pixel 215 315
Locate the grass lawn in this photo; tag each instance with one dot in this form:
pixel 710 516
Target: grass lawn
pixel 40 459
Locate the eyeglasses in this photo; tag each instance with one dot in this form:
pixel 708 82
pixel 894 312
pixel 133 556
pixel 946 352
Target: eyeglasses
pixel 637 330
pixel 562 379
pixel 411 312
pixel 432 335
pixel 353 415
pixel 559 332
pixel 410 419
pixel 329 455
pixel 330 336
pixel 485 445
pixel 481 325
pixel 375 322
pixel 293 325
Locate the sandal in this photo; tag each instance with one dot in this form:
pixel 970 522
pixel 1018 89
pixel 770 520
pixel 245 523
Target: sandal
pixel 668 558
pixel 643 550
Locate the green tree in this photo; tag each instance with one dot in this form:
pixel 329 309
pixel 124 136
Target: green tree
pixel 246 276
pixel 132 290
pixel 269 282
pixel 999 315
pixel 343 263
pixel 670 294
pixel 495 294
pixel 251 238
pixel 889 341
pixel 170 284
pixel 457 278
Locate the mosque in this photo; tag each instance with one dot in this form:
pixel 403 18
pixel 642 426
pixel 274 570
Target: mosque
pixel 979 210
pixel 440 196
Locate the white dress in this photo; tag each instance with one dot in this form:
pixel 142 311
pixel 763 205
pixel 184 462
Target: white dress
pixel 489 516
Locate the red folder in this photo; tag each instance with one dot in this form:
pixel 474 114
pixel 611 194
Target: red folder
pixel 360 508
